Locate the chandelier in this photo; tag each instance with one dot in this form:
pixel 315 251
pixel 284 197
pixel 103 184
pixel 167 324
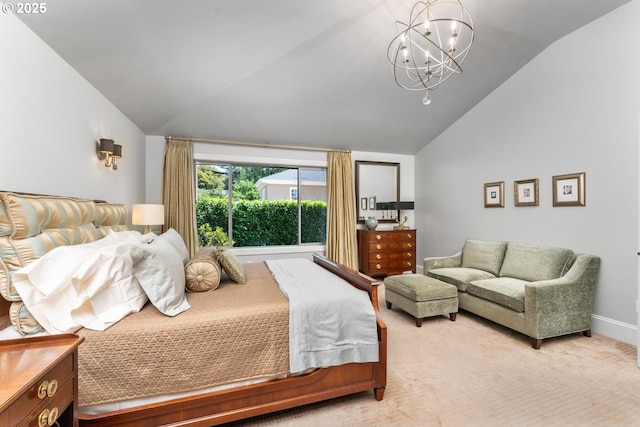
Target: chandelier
pixel 431 47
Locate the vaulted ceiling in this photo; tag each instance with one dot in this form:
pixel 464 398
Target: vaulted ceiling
pixel 292 72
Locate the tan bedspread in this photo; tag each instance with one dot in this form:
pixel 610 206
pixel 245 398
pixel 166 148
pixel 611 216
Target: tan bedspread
pixel 233 333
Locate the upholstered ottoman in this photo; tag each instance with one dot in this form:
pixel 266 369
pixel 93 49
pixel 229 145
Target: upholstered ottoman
pixel 421 296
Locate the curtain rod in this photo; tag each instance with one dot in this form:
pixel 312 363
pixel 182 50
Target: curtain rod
pixel 258 144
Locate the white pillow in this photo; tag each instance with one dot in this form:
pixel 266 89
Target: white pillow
pixel 175 239
pixel 89 285
pixel 159 269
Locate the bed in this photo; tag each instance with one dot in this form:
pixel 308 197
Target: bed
pixel 201 395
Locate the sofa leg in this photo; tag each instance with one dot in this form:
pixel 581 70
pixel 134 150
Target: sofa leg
pixel 419 322
pixel 536 343
pixel 587 333
pixel 388 305
pixel 452 316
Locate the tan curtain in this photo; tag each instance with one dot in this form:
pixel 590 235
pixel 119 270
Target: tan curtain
pixel 342 245
pixel 178 191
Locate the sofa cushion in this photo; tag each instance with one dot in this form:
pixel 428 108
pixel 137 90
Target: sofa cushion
pixel 534 263
pixel 506 291
pixel 459 276
pixel 483 255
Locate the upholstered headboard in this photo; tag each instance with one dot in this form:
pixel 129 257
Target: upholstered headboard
pixel 31 225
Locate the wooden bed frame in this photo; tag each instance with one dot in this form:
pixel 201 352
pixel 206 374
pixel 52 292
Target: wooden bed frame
pixel 238 403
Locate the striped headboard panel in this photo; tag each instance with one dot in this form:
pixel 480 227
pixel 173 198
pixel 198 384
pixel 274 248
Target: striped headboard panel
pixel 32 225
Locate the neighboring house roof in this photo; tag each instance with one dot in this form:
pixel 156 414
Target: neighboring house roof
pixel 290 177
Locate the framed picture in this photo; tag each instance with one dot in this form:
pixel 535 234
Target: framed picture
pixel 569 190
pixel 494 195
pixel 525 192
pixel 372 203
pixel 363 203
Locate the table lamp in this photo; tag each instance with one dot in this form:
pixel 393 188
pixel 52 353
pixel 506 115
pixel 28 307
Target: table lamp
pixel 401 206
pixel 147 215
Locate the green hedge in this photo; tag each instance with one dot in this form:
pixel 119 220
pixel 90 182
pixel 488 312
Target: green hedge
pixel 261 222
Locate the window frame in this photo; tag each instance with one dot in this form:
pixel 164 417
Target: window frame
pixel 241 161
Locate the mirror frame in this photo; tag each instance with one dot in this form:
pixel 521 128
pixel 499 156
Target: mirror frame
pixel 359 164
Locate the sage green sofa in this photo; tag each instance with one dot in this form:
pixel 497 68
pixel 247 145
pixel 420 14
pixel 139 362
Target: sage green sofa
pixel 539 291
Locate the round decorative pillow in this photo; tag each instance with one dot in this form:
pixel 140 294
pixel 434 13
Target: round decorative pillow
pixel 202 272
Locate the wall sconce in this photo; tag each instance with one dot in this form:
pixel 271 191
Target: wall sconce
pixel 110 153
pixel 147 215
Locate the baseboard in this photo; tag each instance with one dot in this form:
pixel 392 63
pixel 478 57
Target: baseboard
pixel 615 329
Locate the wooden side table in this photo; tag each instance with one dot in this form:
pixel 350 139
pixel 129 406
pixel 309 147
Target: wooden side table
pixel 386 252
pixel 39 379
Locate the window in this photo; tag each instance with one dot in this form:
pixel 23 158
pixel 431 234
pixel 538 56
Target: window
pixel 247 205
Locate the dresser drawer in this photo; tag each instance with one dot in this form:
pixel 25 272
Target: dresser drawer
pixel 392 256
pixel 391 246
pixel 49 409
pixel 391 268
pixel 53 390
pixel 392 236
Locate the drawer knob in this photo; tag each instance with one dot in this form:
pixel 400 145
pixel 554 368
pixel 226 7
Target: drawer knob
pixel 378 237
pixel 53 387
pixel 409 254
pixel 42 389
pixel 43 418
pixel 378 247
pixel 409 245
pixel 409 235
pixel 378 266
pixel 378 256
pixel 53 416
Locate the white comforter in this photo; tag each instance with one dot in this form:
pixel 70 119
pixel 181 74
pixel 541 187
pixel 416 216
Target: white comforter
pixel 330 321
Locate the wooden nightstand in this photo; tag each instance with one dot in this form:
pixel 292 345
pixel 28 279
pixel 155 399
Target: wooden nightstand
pixel 39 381
pixel 386 252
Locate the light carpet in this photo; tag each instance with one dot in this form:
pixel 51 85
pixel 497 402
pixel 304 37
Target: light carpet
pixel 472 372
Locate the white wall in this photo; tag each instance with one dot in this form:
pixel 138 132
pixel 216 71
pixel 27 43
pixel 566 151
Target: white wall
pixel 573 108
pixel 50 121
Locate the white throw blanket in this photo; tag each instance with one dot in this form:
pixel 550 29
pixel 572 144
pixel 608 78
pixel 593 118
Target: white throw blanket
pixel 330 322
pixel 90 285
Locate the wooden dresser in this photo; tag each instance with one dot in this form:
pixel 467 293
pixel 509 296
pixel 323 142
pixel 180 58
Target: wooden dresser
pixel 39 381
pixel 386 252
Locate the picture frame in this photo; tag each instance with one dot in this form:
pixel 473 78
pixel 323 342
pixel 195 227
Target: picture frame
pixel 525 192
pixel 363 203
pixel 494 194
pixel 569 189
pixel 372 203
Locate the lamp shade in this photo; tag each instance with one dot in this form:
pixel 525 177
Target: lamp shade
pixel 147 215
pixel 401 206
pixel 117 151
pixel 106 145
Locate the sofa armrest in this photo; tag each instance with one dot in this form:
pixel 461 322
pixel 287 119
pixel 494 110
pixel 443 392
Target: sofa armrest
pixel 564 305
pixel 431 263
